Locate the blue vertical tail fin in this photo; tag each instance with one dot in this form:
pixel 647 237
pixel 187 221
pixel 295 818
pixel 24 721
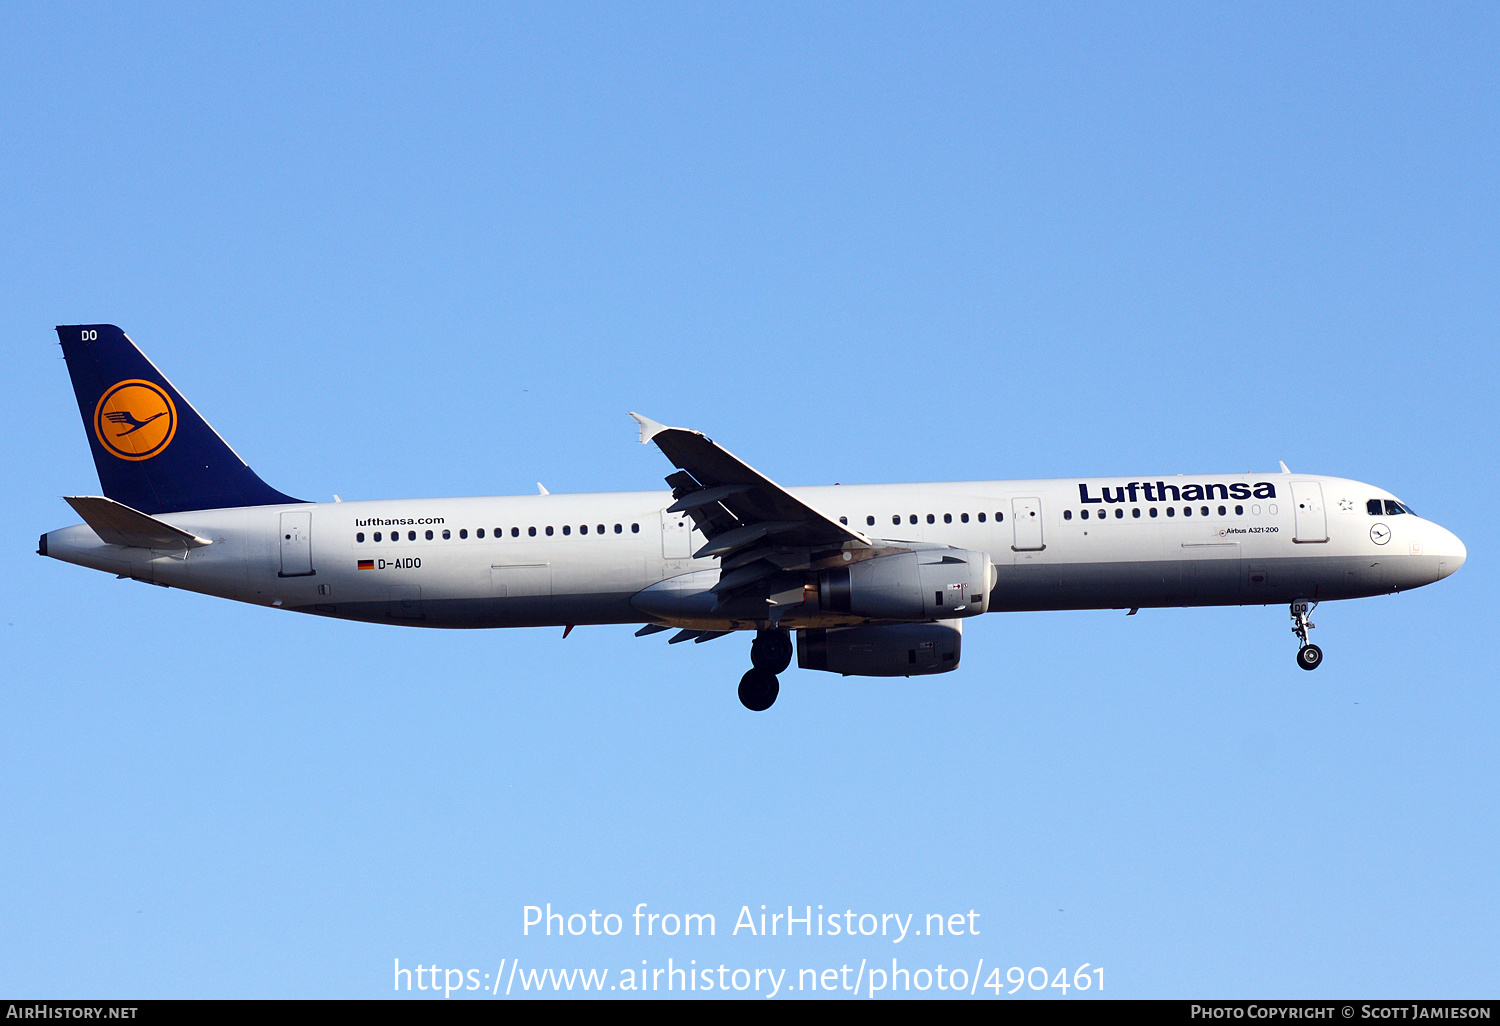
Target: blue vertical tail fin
pixel 153 451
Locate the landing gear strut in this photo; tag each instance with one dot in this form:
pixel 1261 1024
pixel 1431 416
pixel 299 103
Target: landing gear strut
pixel 1309 656
pixel 770 653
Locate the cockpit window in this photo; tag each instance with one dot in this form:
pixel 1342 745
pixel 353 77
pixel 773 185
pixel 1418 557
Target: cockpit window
pixel 1392 507
pixel 1373 507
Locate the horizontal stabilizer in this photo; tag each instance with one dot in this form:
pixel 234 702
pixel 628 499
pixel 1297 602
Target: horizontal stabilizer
pixel 117 524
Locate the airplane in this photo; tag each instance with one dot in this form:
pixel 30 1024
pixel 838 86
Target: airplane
pixel 875 580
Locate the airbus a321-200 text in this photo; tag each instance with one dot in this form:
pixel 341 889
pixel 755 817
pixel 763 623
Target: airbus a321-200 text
pixel 875 580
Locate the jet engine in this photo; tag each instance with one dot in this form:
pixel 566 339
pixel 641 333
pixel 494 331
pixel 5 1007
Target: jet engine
pixel 923 585
pixel 894 650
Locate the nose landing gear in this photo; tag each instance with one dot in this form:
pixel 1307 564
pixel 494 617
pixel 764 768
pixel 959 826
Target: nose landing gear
pixel 1309 656
pixel 770 653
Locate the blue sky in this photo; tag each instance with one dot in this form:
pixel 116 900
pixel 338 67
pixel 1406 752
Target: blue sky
pixel 393 251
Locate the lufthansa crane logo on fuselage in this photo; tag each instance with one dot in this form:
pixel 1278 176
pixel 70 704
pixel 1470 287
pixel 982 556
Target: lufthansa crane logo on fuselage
pixel 135 419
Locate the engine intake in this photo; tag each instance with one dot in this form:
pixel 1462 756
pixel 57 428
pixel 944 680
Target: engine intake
pixel 924 585
pixel 893 650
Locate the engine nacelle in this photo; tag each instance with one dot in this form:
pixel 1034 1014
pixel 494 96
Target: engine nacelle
pixel 893 650
pixel 922 585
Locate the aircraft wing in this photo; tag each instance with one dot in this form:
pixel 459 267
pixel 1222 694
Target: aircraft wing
pixel 744 515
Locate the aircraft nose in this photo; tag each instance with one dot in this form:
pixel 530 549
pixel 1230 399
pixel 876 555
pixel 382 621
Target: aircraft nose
pixel 1450 550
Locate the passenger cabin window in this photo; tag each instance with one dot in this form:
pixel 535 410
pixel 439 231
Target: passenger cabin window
pixel 447 535
pixel 869 521
pixel 567 529
pixel 619 529
pixel 1067 514
pixel 844 521
pixel 931 519
pixel 981 518
pixel 896 519
pixel 635 528
pixel 964 517
pixel 914 518
pixel 411 535
pixel 360 536
pixel 947 518
pixel 377 535
pixel 479 533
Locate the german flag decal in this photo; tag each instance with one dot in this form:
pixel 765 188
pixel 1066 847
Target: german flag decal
pixel 367 564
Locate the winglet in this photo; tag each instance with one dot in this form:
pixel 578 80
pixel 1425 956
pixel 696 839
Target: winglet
pixel 649 428
pixel 1283 467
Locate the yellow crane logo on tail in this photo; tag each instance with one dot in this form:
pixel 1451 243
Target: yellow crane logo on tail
pixel 135 419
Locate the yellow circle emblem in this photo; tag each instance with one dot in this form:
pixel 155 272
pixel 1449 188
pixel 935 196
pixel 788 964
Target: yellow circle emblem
pixel 135 419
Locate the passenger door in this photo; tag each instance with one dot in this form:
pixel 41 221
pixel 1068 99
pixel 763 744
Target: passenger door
pixel 1312 519
pixel 676 536
pixel 1026 521
pixel 296 544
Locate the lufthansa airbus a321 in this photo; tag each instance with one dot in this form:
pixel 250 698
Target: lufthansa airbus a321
pixel 876 580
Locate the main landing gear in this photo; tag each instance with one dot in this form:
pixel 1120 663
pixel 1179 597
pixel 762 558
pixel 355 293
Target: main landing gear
pixel 1309 656
pixel 770 653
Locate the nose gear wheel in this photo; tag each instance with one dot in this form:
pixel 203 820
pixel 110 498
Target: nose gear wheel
pixel 1309 656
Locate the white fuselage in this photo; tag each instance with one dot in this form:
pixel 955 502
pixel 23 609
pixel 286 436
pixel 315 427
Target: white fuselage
pixel 585 559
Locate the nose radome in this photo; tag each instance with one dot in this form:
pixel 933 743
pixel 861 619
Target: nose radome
pixel 1451 550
